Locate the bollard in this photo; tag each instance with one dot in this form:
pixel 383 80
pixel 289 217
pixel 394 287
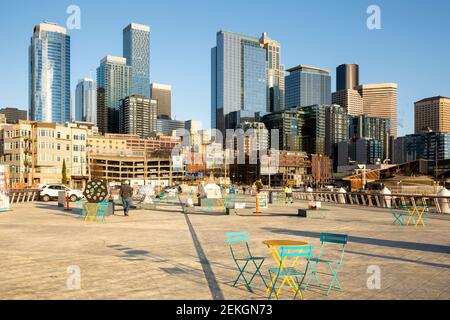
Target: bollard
pixel 341 196
pixel 443 202
pixel 67 208
pixel 257 202
pixel 387 199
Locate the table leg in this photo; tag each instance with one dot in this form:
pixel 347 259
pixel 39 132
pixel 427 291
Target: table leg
pixel 419 217
pixel 291 281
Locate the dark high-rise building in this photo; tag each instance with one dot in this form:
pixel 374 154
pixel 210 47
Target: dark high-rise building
pixel 13 115
pixel 290 125
pixel 137 115
pixel 163 94
pixel 373 128
pixel 347 76
pixel 425 145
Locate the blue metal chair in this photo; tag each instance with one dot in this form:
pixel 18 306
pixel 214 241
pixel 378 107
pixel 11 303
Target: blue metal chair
pixel 290 274
pixel 399 216
pixel 102 211
pixel 333 265
pixel 235 238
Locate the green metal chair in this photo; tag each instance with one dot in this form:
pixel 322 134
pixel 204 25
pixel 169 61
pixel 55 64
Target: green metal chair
pixel 235 238
pixel 332 265
pixel 290 273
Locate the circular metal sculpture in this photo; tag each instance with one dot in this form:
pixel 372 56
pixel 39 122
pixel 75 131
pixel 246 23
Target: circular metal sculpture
pixel 96 191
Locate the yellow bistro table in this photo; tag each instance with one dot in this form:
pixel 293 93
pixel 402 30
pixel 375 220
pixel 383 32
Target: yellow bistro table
pixel 273 246
pixel 416 209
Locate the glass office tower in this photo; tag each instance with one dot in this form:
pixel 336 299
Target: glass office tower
pixel 136 49
pixel 347 77
pixel 238 80
pixel 306 86
pixel 49 74
pixel 86 101
pixel 275 74
pixel 113 85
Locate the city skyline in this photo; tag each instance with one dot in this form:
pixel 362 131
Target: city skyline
pixel 386 55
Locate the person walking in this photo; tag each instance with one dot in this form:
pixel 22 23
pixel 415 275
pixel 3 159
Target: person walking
pixel 126 192
pixel 288 193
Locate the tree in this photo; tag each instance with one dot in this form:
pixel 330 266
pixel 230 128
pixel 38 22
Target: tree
pixel 64 173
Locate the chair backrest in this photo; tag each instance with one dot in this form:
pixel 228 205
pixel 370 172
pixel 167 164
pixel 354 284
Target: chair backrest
pixel 232 237
pixel 334 238
pixel 235 238
pixel 296 252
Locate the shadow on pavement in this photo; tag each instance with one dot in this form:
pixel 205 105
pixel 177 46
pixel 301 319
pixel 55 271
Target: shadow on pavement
pixel 371 241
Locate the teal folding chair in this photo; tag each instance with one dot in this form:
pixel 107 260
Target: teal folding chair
pixel 229 202
pixel 288 272
pixel 399 216
pixel 241 238
pixel 333 265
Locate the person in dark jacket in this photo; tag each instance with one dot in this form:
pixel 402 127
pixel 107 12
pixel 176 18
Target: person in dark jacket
pixel 126 192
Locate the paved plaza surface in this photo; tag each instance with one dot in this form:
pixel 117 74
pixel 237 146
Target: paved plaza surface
pixel 165 254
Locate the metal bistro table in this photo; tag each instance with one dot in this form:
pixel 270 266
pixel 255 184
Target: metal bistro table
pixel 416 209
pixel 273 246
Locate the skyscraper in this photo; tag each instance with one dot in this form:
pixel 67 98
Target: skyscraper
pixel 163 94
pixel 306 86
pixel 336 124
pixel 136 49
pixel 238 79
pixel 380 100
pixel 347 76
pixel 49 74
pixel 432 113
pixel 275 74
pixel 137 116
pixel 113 84
pixel 86 101
pixel 375 129
pixel 349 98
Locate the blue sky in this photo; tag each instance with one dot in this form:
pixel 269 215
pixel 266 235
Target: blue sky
pixel 412 48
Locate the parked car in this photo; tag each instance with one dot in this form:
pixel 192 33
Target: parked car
pixel 50 192
pixel 171 190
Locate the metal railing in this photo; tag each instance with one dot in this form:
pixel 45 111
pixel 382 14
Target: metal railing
pixel 438 204
pixel 23 195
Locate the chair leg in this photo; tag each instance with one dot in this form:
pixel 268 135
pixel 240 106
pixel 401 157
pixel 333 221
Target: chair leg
pixel 313 273
pixel 241 274
pixel 299 285
pixel 258 271
pixel 334 274
pixel 273 287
